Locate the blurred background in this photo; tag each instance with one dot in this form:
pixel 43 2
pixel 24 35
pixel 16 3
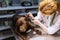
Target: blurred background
pixel 10 7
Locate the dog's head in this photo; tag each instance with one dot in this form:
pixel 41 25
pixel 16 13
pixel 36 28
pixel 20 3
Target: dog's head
pixel 21 23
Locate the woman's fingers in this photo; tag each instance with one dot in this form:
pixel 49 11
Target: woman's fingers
pixel 31 16
pixel 35 21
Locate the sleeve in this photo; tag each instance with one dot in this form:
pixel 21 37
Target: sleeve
pixel 38 17
pixel 53 29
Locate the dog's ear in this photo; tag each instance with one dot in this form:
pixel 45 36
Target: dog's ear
pixel 16 17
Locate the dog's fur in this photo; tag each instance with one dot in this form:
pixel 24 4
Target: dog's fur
pixel 21 24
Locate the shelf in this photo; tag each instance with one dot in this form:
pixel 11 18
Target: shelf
pixel 10 15
pixel 3 28
pixel 17 7
pixel 8 28
pixel 7 36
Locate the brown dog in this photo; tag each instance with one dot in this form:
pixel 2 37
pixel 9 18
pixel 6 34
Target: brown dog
pixel 21 24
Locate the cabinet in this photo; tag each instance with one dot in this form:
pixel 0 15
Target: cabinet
pixel 8 10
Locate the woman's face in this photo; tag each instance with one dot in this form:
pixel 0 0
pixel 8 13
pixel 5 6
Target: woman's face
pixel 49 8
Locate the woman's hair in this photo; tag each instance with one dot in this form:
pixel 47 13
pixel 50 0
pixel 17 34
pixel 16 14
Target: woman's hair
pixel 58 9
pixel 47 7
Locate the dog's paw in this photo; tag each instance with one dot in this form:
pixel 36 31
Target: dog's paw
pixel 25 38
pixel 37 31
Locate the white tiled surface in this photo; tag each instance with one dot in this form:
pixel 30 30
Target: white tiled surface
pixel 46 37
pixel 42 37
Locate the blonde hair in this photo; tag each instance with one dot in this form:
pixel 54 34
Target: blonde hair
pixel 43 7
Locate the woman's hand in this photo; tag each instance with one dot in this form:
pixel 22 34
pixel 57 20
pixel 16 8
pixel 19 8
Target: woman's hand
pixel 30 15
pixel 32 18
pixel 35 21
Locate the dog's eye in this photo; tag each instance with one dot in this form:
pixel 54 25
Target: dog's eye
pixel 20 24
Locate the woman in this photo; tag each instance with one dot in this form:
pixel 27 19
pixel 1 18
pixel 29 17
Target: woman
pixel 48 17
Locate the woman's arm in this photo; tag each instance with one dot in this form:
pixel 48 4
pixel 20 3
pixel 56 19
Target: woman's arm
pixel 50 30
pixel 42 26
pixel 38 17
pixel 54 28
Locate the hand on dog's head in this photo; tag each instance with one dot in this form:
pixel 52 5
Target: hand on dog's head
pixel 21 25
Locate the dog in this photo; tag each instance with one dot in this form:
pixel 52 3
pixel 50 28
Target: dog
pixel 21 24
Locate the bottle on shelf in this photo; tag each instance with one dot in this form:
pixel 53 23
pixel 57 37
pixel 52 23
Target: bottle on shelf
pixel 6 22
pixel 7 2
pixel 3 4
